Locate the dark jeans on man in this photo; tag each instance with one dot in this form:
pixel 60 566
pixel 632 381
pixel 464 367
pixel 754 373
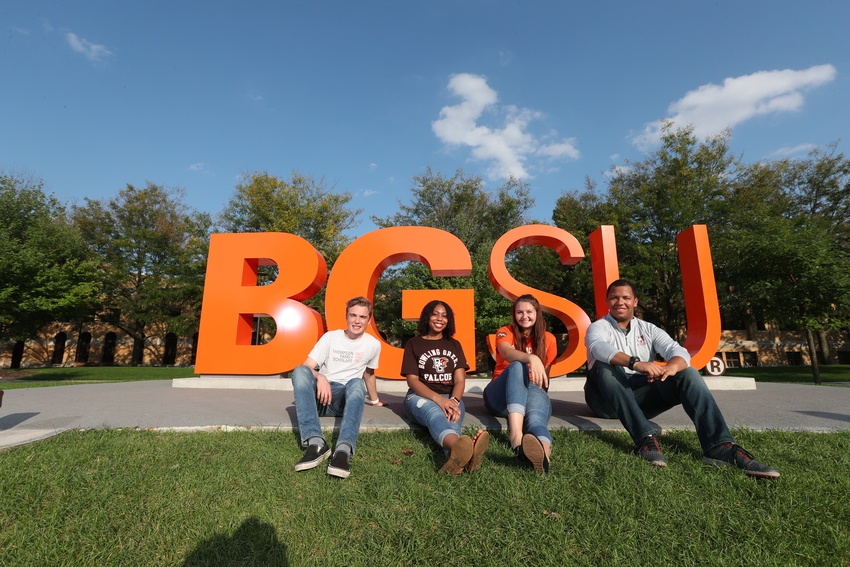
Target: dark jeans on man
pixel 612 393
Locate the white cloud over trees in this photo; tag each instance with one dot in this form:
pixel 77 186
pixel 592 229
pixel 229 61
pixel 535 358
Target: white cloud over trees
pixel 713 108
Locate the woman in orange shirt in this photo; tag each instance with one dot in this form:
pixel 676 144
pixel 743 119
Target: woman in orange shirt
pixel 525 351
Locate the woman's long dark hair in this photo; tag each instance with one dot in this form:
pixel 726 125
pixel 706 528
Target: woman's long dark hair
pixel 537 337
pixel 448 330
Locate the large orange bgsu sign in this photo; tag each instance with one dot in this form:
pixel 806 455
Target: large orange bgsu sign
pixel 232 297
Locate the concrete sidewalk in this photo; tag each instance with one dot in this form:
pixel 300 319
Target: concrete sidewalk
pixel 31 414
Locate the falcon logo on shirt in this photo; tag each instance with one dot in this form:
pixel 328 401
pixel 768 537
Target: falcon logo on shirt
pixel 440 363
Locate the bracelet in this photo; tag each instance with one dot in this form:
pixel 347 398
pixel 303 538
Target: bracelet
pixel 372 402
pixel 454 399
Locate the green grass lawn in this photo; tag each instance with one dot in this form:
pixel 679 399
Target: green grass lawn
pixel 111 497
pixel 36 378
pixel 794 374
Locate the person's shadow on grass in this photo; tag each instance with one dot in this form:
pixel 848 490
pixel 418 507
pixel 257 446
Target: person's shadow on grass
pixel 253 543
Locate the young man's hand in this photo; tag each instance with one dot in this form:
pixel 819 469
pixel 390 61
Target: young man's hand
pixel 323 389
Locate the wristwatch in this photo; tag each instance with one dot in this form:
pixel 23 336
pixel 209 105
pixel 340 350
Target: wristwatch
pixel 632 361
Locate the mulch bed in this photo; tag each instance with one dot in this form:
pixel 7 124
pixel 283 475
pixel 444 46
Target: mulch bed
pixel 9 374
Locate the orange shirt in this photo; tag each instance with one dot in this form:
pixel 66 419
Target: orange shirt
pixel 506 335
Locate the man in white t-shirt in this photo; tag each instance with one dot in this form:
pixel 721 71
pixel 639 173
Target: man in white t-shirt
pixel 333 381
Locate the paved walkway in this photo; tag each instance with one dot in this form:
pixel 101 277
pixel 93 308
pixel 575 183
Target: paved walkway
pixel 31 414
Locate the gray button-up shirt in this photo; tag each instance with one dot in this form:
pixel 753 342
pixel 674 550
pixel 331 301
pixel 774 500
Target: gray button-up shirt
pixel 605 338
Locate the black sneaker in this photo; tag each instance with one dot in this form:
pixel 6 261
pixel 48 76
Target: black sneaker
pixel 731 455
pixel 314 455
pixel 649 450
pixel 339 465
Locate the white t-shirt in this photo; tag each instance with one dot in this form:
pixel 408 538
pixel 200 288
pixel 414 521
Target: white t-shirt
pixel 341 359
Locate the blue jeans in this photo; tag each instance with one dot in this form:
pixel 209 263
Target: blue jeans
pixel 512 391
pixel 347 401
pixel 428 414
pixel 613 394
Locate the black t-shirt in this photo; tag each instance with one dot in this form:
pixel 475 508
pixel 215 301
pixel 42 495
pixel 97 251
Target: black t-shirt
pixel 434 362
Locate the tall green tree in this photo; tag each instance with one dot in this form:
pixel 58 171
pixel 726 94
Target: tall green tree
pixel 46 271
pixel 580 213
pixel 462 205
pixel 152 250
pixel 685 182
pixel 300 205
pixel 785 256
pixel 820 187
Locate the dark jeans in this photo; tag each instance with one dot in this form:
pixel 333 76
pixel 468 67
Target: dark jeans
pixel 614 394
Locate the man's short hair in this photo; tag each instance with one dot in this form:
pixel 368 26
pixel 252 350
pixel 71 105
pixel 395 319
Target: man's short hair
pixel 359 301
pixel 621 283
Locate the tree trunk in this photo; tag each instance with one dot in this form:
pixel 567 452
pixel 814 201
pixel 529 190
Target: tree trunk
pixel 138 351
pixel 813 354
pixel 823 338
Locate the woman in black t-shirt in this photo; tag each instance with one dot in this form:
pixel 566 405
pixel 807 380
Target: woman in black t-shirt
pixel 435 368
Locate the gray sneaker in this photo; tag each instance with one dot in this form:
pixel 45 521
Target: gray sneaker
pixel 314 455
pixel 649 450
pixel 732 455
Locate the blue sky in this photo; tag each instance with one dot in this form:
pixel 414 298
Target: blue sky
pixel 193 94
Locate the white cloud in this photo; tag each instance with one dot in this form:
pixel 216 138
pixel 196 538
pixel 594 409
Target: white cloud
pixel 369 192
pixel 509 148
pixel 373 166
pixel 199 167
pixel 92 51
pixel 796 150
pixel 506 58
pixel 712 108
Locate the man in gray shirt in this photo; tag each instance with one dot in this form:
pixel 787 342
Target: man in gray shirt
pixel 625 382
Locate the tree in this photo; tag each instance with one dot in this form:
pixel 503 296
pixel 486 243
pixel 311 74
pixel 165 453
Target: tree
pixel 685 182
pixel 580 214
pixel 820 186
pixel 785 257
pixel 823 191
pixel 779 232
pixel 152 250
pixel 302 205
pixel 789 273
pixel 46 273
pixel 462 206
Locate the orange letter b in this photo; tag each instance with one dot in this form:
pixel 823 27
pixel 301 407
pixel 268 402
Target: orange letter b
pixel 232 299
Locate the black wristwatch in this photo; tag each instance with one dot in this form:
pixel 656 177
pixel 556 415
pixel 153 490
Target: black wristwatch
pixel 632 361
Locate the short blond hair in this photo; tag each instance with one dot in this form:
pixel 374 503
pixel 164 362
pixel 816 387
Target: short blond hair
pixel 358 301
